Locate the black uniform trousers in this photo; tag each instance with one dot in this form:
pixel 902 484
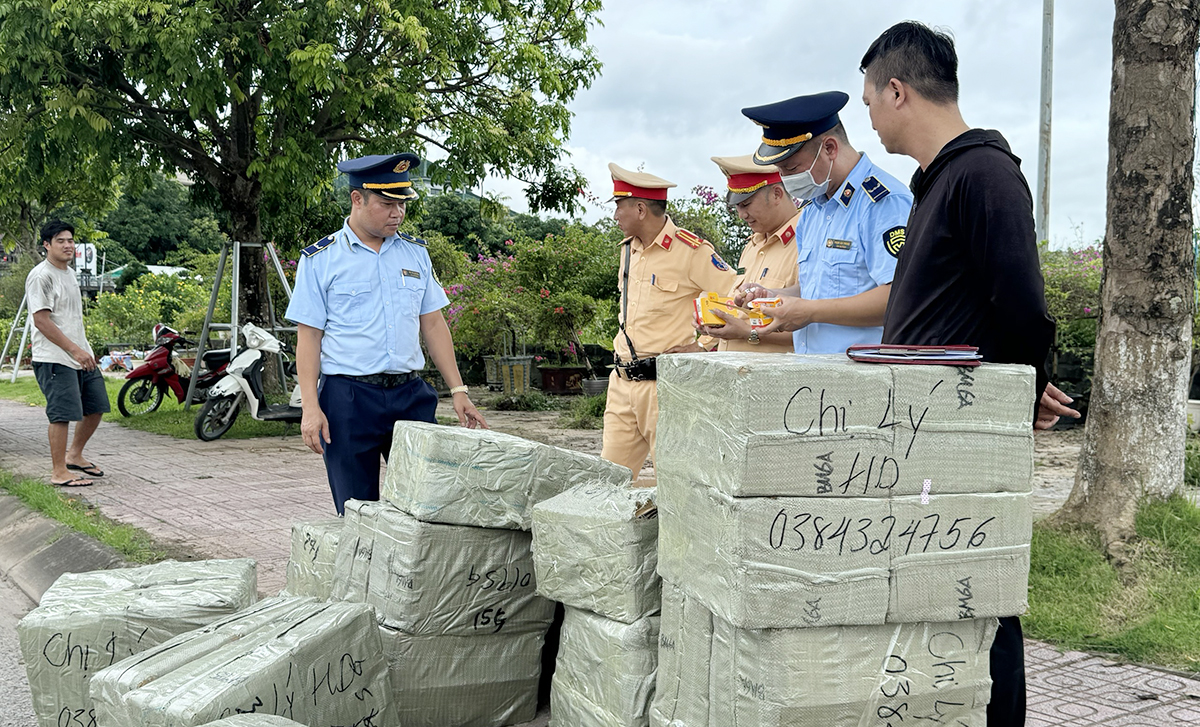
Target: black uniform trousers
pixel 361 417
pixel 1007 707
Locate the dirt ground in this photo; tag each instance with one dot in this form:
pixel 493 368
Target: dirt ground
pixel 1055 452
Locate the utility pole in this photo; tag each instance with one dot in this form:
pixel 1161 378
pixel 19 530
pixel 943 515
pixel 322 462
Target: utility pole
pixel 1042 222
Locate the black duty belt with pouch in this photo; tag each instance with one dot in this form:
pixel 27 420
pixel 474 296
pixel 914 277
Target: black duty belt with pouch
pixel 636 369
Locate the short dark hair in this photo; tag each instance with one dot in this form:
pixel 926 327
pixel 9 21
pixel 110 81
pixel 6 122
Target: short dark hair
pixel 917 55
pixel 657 207
pixel 838 132
pixel 54 227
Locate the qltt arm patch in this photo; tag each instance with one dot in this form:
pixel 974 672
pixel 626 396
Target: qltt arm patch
pixel 893 240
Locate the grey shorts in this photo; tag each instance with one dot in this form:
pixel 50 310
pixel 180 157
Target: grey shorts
pixel 71 394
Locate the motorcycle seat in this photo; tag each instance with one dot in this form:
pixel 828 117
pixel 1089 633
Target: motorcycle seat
pixel 216 358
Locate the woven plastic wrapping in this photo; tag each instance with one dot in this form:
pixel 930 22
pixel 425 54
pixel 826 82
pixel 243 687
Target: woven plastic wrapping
pixel 464 681
pixel 779 424
pixel 87 621
pixel 591 550
pixel 756 561
pixel 352 560
pixel 254 720
pixel 315 663
pixel 433 579
pixel 681 697
pixel 842 676
pixel 605 672
pixel 480 477
pixel 792 562
pixel 310 566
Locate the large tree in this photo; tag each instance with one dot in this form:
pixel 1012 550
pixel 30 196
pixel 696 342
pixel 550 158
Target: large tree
pixel 256 99
pixel 1134 439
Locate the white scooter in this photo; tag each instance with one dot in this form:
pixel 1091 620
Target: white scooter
pixel 243 385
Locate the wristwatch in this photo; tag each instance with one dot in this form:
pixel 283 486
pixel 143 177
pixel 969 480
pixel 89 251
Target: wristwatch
pixel 753 337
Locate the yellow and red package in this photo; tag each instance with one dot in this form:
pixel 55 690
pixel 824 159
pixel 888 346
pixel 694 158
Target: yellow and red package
pixel 706 303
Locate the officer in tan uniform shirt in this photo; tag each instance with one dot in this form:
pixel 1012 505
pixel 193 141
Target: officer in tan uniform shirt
pixel 769 258
pixel 663 269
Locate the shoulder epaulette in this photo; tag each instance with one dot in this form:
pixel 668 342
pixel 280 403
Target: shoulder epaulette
pixel 875 189
pixel 317 246
pixel 413 240
pixel 689 238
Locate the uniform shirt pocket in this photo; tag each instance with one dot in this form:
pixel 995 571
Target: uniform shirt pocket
pixel 843 272
pixel 663 291
pixel 410 294
pixel 350 302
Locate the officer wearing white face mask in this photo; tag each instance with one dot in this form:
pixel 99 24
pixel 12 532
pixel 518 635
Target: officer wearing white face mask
pixel 851 227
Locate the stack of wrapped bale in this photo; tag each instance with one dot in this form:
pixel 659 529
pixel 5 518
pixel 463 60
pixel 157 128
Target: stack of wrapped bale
pixel 310 564
pixel 446 561
pixel 88 621
pixel 840 516
pixel 594 550
pixel 254 720
pixel 313 662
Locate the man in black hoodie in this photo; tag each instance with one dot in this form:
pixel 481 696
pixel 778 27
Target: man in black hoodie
pixel 968 272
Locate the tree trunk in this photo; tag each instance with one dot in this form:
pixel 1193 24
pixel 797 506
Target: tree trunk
pixel 1134 438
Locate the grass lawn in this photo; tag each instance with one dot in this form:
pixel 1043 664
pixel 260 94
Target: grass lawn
pixel 170 419
pixel 1148 614
pixel 134 544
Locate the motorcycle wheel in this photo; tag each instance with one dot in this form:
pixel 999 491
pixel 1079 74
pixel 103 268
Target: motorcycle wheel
pixel 216 417
pixel 139 396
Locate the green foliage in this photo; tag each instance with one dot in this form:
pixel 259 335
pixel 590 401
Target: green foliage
pixel 134 544
pixel 449 262
pixel 1149 612
pixel 586 412
pixel 543 291
pixel 12 286
pixel 1072 280
pixel 130 275
pixel 129 317
pixel 529 401
pixel 458 218
pixel 154 221
pixel 1191 462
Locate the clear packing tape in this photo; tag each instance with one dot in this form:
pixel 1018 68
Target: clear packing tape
pixel 605 673
pixel 434 579
pixel 481 477
pixel 88 621
pixel 712 674
pixel 310 565
pixel 316 663
pixel 591 550
pixel 755 425
pixel 254 720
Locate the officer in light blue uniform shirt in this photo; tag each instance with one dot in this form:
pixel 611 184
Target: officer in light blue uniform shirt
pixel 363 298
pixel 851 228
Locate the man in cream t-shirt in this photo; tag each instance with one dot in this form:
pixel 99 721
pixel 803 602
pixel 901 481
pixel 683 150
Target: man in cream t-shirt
pixel 63 361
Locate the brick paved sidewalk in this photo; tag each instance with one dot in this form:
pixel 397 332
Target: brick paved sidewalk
pixel 238 498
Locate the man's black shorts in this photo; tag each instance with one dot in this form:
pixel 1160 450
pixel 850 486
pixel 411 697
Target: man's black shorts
pixel 71 394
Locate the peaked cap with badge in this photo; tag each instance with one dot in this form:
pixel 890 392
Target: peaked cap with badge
pixel 383 174
pixel 788 124
pixel 745 177
pixel 637 184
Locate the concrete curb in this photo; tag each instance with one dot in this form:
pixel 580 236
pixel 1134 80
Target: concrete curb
pixel 35 550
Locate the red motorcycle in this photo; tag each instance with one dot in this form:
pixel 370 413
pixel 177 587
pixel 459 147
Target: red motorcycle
pixel 163 370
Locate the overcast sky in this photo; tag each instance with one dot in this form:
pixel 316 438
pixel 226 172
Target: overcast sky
pixel 677 73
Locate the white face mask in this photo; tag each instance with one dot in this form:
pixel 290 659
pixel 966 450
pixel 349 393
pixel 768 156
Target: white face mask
pixel 803 186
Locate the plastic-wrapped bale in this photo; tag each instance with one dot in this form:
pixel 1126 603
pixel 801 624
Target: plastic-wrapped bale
pixel 847 676
pixel 314 663
pixel 110 684
pixel 960 557
pixel 681 697
pixel 88 621
pixel 963 429
pixel 593 551
pixel 254 720
pixel 310 567
pixel 481 477
pixel 352 560
pixel 763 562
pixel 605 672
pixel 464 681
pixel 429 578
pixel 752 424
pixel 830 427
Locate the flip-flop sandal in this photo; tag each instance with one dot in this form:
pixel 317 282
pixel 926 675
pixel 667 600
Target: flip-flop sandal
pixel 77 482
pixel 88 469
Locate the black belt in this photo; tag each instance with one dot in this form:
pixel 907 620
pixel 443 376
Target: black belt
pixel 387 381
